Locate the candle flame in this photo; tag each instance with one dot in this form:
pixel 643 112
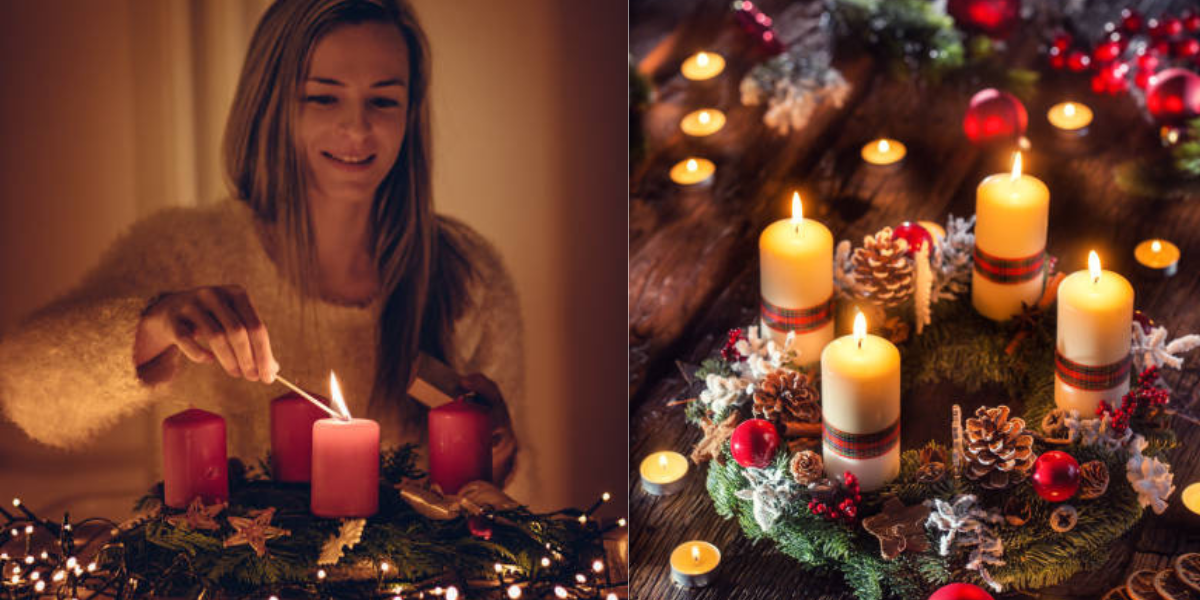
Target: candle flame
pixel 662 461
pixel 691 164
pixel 884 146
pixel 704 117
pixel 695 553
pixel 797 210
pixel 1156 246
pixel 1094 265
pixel 702 59
pixel 860 327
pixel 1069 109
pixel 338 402
pixel 1016 170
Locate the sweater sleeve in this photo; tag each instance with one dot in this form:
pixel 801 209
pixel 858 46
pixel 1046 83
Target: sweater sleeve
pixel 67 371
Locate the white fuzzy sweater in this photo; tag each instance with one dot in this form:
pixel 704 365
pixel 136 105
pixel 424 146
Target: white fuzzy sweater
pixel 67 373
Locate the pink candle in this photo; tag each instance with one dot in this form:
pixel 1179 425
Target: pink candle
pixel 460 445
pixel 345 468
pixel 292 419
pixel 194 458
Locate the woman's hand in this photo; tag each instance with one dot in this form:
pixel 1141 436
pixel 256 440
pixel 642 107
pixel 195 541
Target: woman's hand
pixel 208 324
pixel 504 441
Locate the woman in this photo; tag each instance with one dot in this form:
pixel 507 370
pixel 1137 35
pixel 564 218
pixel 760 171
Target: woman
pixel 329 257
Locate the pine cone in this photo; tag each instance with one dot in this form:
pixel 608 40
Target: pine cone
pixel 807 467
pixel 787 396
pixel 998 450
pixel 882 269
pixel 1093 479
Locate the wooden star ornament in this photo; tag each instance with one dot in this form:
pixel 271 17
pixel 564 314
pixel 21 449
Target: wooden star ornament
pixel 715 435
pixel 198 516
pixel 255 531
pixel 899 528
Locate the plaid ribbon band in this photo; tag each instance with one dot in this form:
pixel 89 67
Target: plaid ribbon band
pixel 800 320
pixel 858 445
pixel 1087 377
pixel 1009 270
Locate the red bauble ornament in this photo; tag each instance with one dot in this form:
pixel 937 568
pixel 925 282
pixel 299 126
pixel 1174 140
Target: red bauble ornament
pixel 1191 21
pixel 994 18
pixel 1057 59
pixel 1107 51
pixel 1174 96
pixel 1172 27
pixel 914 234
pixel 1062 41
pixel 1186 48
pixel 480 527
pixel 1078 61
pixel 754 443
pixel 1055 476
pixel 995 116
pixel 1131 21
pixel 960 591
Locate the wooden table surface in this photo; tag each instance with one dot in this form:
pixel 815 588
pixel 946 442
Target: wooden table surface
pixel 693 272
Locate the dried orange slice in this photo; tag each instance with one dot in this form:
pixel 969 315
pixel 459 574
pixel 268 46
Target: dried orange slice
pixel 1117 593
pixel 1140 585
pixel 1171 588
pixel 1187 569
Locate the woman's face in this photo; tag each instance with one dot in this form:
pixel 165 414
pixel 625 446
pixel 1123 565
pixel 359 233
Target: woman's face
pixel 353 106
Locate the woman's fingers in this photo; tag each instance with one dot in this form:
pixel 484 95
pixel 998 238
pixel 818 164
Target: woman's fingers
pixel 256 331
pixel 233 328
pixel 208 331
pixel 187 344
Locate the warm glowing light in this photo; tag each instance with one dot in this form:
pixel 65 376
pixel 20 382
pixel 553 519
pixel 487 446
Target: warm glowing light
pixel 70 562
pixel 1016 170
pixel 704 117
pixel 560 591
pixel 662 461
pixel 1191 497
pixel 91 567
pixel 39 586
pixel 545 562
pixel 1156 246
pixel 611 596
pixel 514 591
pixel 695 554
pixel 383 566
pixel 1094 266
pixel 797 210
pixel 580 578
pixel 59 575
pixel 28 529
pixel 321 574
pixel 45 555
pixel 35 576
pixel 17 502
pixel 884 146
pixel 860 330
pixel 338 402
pixel 621 522
pixel 702 59
pixel 583 519
pixel 598 566
pixel 29 560
pixel 451 593
pixel 606 497
pixel 1069 109
pixel 692 165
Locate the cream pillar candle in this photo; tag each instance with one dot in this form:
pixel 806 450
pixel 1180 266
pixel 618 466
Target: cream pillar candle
pixel 1011 215
pixel 796 268
pixel 1095 320
pixel 860 407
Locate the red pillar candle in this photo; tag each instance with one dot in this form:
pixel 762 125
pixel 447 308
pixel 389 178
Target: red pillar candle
pixel 194 461
pixel 292 419
pixel 460 445
pixel 345 468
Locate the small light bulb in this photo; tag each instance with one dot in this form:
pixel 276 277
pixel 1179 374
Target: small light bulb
pixel 611 596
pixel 451 593
pixel 17 502
pixel 560 591
pixel 580 578
pixel 545 562
pixel 16 578
pixel 35 576
pixel 39 586
pixel 45 556
pixel 91 567
pixel 498 567
pixel 15 533
pixel 583 519
pixel 606 497
pixel 29 560
pixel 321 574
pixel 384 566
pixel 273 598
pixel 59 575
pixel 598 566
pixel 70 562
pixel 28 529
pixel 621 522
pixel 514 591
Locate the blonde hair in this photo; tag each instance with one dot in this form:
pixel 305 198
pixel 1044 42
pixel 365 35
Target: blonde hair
pixel 416 261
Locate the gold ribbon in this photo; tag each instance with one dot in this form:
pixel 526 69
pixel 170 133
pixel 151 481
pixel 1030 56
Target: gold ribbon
pixel 474 498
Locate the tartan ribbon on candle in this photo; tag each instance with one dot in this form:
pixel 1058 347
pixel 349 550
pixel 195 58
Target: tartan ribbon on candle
pixel 1009 270
pixel 860 445
pixel 800 320
pixel 1089 377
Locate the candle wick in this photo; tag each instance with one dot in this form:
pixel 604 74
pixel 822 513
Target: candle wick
pixel 860 340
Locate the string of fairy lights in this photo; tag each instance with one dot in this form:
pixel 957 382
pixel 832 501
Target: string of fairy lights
pixel 59 572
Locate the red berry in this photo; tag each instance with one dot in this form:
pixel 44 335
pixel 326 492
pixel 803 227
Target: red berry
pixel 1057 59
pixel 1161 48
pixel 1154 27
pixel 1131 20
pixel 1191 22
pixel 1097 83
pixel 1078 61
pixel 1142 78
pixel 1186 48
pixel 1172 26
pixel 1106 51
pixel 1062 41
pixel 1147 62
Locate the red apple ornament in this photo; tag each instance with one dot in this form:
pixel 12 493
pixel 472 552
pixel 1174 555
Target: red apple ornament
pixel 1055 476
pixel 960 591
pixel 995 116
pixel 1174 96
pixel 754 443
pixel 994 18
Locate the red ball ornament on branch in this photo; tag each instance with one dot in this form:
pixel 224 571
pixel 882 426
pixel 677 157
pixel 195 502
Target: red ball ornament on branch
pixel 1173 96
pixel 1055 476
pixel 995 116
pixel 994 18
pixel 960 591
pixel 914 234
pixel 754 443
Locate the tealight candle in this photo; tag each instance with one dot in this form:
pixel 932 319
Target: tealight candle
pixel 663 473
pixel 693 171
pixel 884 151
pixel 1092 360
pixel 1012 216
pixel 700 123
pixel 1191 497
pixel 694 563
pixel 1070 117
pixel 703 65
pixel 1158 256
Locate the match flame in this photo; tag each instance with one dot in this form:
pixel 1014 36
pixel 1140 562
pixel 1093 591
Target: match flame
pixel 884 146
pixel 860 327
pixel 1094 266
pixel 1156 246
pixel 338 402
pixel 695 554
pixel 1016 170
